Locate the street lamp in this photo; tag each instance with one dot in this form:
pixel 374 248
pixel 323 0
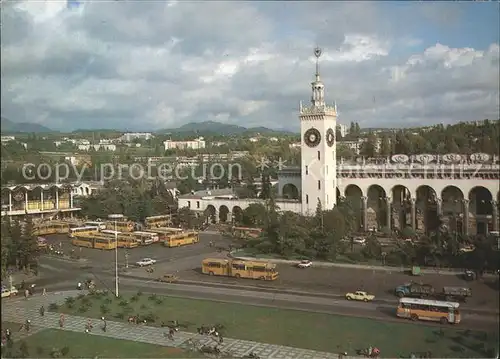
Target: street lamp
pixel 115 217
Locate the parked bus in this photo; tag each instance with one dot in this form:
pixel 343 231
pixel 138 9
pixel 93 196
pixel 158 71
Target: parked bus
pixel 239 268
pixel 181 239
pixel 164 232
pixel 431 310
pixel 100 225
pixel 51 227
pixel 121 226
pixel 125 239
pixel 158 221
pixel 73 232
pixel 97 241
pixel 245 232
pixel 145 238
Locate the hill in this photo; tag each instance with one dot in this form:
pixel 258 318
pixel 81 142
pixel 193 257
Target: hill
pixel 212 127
pixel 22 127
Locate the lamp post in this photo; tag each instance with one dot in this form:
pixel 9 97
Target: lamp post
pixel 115 217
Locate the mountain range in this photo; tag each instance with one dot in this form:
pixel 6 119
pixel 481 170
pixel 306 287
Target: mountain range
pixel 8 126
pixel 199 128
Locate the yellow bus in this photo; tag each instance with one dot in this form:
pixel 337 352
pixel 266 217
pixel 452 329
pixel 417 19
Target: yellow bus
pixel 164 232
pixel 51 227
pixel 158 221
pixel 181 239
pixel 73 232
pixel 125 239
pixel 239 268
pixel 145 238
pixel 97 242
pixel 121 226
pixel 245 232
pixel 431 310
pixel 99 224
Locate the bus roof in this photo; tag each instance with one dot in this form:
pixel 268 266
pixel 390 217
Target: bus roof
pixel 217 260
pixel 144 233
pixel 437 303
pixel 247 229
pixel 158 217
pixel 83 228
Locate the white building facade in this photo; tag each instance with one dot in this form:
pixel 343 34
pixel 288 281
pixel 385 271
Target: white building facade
pixel 195 144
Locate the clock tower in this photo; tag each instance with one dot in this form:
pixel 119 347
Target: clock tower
pixel 318 148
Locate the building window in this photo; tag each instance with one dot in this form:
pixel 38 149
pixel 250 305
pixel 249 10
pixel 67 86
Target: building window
pixel 307 199
pixel 189 204
pixel 319 184
pixel 307 170
pixel 197 204
pixel 319 156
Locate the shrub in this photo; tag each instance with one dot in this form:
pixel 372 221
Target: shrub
pixel 70 306
pixel 134 298
pixel 80 296
pixel 69 300
pixel 55 353
pixel 108 300
pixel 65 351
pixel 119 315
pixel 139 293
pixel 152 297
pixel 159 301
pixel 123 303
pixel 104 309
pixel 53 306
pixel 83 309
pixel 150 317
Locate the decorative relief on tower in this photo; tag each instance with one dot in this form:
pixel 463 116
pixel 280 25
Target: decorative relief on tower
pixel 312 137
pixel 330 137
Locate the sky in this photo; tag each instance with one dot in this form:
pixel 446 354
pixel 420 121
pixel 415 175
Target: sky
pixel 150 65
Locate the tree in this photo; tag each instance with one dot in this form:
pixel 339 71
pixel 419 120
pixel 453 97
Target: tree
pixel 385 146
pixel 368 148
pixel 254 215
pixel 266 187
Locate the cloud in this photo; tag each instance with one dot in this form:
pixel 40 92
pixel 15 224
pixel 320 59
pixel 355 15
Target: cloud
pixel 126 65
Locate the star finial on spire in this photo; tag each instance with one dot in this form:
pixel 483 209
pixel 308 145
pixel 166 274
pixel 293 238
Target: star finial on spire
pixel 317 53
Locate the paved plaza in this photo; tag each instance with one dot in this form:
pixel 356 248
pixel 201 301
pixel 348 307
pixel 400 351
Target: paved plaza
pixel 17 310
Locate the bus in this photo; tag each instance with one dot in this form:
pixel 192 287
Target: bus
pixel 146 238
pixel 240 268
pixel 82 230
pixel 121 226
pixel 97 241
pixel 181 239
pixel 431 310
pixel 51 227
pixel 164 232
pixel 125 239
pixel 100 225
pixel 158 221
pixel 245 232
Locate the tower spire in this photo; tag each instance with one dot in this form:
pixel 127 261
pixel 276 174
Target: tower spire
pixel 318 89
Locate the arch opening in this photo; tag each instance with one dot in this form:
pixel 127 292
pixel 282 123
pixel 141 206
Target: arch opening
pixel 353 196
pixel 453 208
pixel 427 216
pixel 377 207
pixel 290 191
pixel 480 210
pixel 224 214
pixel 210 214
pixel 401 207
pixel 237 215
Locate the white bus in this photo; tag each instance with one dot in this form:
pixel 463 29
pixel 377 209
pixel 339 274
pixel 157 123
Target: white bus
pixel 431 310
pixel 145 238
pixel 82 230
pixel 110 232
pixel 97 224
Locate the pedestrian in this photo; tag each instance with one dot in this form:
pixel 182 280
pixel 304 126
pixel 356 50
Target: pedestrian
pixel 26 294
pixel 104 324
pixel 8 334
pixel 221 340
pixel 42 311
pixel 61 320
pixel 28 325
pixel 44 292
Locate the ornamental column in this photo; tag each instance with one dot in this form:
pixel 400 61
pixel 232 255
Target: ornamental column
pixel 413 202
pixel 57 198
pixel 388 214
pixel 10 201
pixel 41 199
pixel 465 211
pixel 216 215
pixel 495 215
pixel 25 200
pixel 439 206
pixel 365 213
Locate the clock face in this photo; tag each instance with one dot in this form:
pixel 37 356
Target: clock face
pixel 330 137
pixel 312 137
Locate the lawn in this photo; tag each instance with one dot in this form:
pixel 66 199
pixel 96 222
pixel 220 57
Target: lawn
pixel 290 327
pixel 46 343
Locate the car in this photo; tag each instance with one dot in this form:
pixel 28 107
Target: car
pixel 146 262
pixel 168 278
pixel 359 240
pixel 6 292
pixel 304 264
pixel 360 296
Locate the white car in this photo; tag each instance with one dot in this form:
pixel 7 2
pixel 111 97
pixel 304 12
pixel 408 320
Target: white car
pixel 146 262
pixel 359 240
pixel 304 264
